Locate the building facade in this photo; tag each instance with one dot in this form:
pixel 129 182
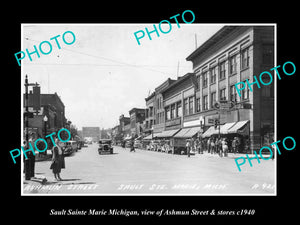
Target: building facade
pixel 51 115
pixel 232 55
pixel 137 117
pixel 159 111
pixel 150 113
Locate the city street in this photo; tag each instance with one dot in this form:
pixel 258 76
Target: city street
pixel 155 173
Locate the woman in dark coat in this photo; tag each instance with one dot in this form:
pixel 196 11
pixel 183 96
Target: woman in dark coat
pixel 58 161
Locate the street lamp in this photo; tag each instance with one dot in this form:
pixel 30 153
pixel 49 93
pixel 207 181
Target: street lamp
pixel 45 119
pixel 45 124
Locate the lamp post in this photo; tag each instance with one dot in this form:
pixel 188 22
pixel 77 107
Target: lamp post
pixel 30 162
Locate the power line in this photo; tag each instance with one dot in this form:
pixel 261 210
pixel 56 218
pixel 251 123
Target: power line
pixel 104 58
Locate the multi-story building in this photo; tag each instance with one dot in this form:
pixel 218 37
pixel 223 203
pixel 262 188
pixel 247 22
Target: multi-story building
pixel 149 114
pixel 159 124
pixel 124 127
pixel 178 102
pixel 137 117
pixel 91 132
pixel 51 115
pixel 232 55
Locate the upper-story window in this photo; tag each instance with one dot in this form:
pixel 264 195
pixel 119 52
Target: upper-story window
pixel 205 79
pixel 222 70
pixel 245 58
pixel 232 64
pixel 213 75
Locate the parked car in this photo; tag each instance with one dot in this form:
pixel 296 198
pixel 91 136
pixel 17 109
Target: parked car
pixel 105 146
pixel 70 147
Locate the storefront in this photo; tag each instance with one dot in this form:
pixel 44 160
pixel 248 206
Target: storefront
pixel 179 139
pixel 235 130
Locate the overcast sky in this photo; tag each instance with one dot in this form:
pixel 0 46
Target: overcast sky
pixel 105 73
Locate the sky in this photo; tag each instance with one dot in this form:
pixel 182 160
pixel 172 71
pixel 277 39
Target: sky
pixel 105 73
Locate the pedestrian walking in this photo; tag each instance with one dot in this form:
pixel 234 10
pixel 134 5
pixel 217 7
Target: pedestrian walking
pixel 58 161
pixel 188 147
pixel 224 147
pixel 212 146
pixel 132 149
pixel 208 145
pixel 233 145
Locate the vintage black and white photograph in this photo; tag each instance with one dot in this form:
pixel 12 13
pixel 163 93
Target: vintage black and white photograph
pixel 143 109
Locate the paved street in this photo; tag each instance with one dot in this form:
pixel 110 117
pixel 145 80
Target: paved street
pixel 147 172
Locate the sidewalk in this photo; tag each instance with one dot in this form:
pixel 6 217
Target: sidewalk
pixel 230 155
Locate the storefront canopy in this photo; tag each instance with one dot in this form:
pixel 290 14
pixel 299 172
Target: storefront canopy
pixel 149 137
pixel 211 131
pixel 181 133
pixel 167 133
pixel 241 127
pixel 187 132
pixel 127 138
pixel 224 129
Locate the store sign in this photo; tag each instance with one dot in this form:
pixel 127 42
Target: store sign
pixel 173 122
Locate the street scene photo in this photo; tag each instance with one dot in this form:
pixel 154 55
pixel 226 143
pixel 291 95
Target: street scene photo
pixel 163 117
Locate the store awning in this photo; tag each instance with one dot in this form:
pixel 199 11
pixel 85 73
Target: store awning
pixel 211 131
pixel 240 127
pixel 192 132
pixel 167 133
pixel 224 129
pixel 181 133
pixel 127 138
pixel 149 137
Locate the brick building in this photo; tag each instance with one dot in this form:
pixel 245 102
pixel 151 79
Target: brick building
pixel 232 55
pixel 52 107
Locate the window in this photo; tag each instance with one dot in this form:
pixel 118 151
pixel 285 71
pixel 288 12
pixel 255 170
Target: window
pixel 191 105
pixel 205 102
pixel 198 108
pixel 232 64
pixel 245 93
pixel 222 70
pixel 213 75
pixel 178 110
pixel 268 54
pixel 198 82
pixel 233 93
pixel 168 115
pixel 186 107
pixel 172 111
pixel 223 94
pixel 205 80
pixel 212 99
pixel 245 58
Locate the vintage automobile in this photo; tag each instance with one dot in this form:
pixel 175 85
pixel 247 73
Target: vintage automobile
pixel 70 147
pixel 105 146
